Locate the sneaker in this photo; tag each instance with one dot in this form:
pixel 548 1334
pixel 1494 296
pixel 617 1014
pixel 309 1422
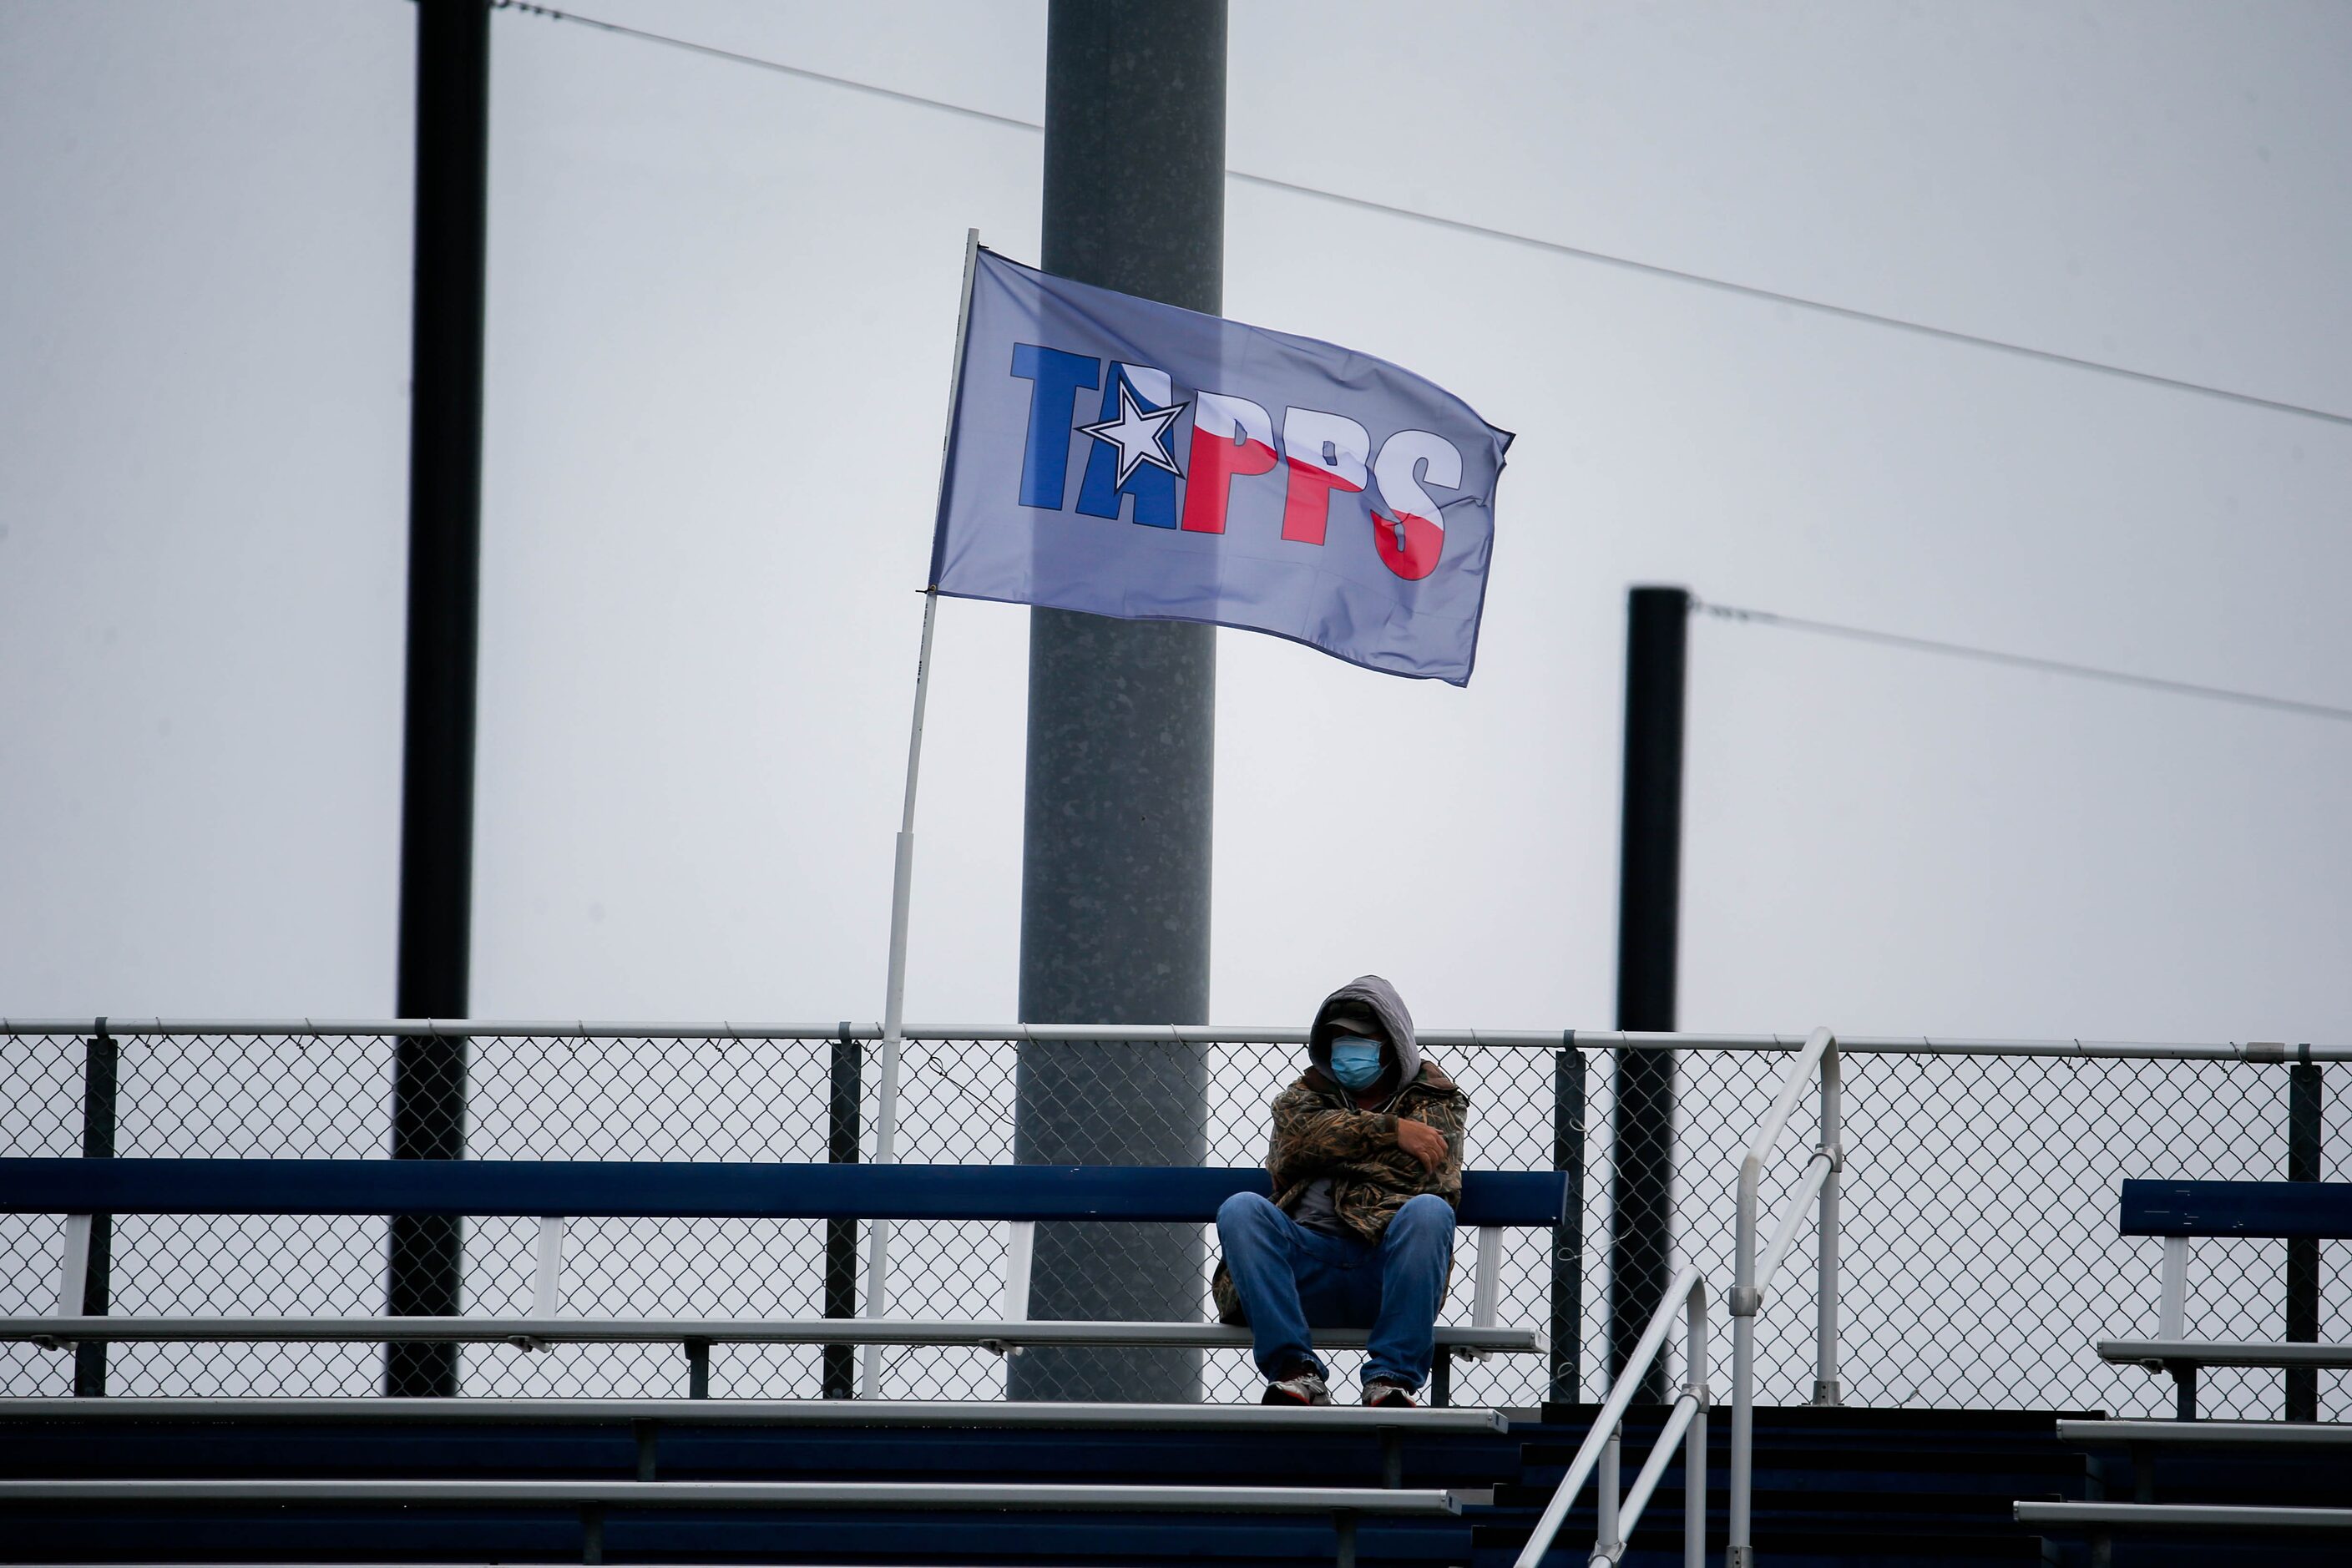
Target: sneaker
pixel 1303 1386
pixel 1395 1395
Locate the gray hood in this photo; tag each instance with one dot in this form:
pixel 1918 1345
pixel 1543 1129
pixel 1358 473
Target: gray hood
pixel 1372 992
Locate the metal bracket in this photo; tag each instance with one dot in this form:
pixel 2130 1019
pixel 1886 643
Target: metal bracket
pixel 1747 1300
pixel 1486 1288
pixel 1020 1252
pixel 2264 1050
pixel 73 1264
pixel 547 1277
pixel 2172 1290
pixel 1829 1391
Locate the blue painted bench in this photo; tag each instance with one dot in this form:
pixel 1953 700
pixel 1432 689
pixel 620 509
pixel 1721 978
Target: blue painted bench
pixel 2180 1212
pixel 1020 1197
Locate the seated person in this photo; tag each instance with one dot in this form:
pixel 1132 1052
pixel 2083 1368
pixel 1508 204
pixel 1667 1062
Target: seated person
pixel 1366 1158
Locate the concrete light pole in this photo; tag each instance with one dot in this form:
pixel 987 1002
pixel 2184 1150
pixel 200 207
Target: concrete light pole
pixel 1115 857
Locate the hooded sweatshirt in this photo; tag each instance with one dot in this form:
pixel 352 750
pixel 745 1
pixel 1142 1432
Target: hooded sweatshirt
pixel 1321 1136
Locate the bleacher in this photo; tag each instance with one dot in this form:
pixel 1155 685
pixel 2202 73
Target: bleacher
pixel 161 1479
pixel 154 1478
pixel 382 1480
pixel 2188 1490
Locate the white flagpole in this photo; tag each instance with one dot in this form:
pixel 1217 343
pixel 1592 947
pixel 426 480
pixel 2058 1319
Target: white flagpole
pixel 902 881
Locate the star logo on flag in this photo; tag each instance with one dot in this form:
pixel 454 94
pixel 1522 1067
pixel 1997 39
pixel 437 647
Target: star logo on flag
pixel 1140 433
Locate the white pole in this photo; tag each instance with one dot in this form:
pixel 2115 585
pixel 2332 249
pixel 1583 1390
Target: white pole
pixel 1606 1540
pixel 902 884
pixel 1695 1373
pixel 1738 1551
pixel 1827 1386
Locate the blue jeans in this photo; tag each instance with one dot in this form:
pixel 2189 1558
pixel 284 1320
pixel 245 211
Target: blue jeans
pixel 1289 1277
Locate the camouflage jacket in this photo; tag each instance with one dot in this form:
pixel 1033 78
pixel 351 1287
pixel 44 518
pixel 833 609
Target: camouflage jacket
pixel 1319 1131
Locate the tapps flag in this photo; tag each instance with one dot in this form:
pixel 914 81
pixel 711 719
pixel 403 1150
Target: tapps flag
pixel 1128 459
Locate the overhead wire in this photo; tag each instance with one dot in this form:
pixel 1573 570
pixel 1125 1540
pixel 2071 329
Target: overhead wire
pixel 1483 231
pixel 2024 661
pixel 1728 612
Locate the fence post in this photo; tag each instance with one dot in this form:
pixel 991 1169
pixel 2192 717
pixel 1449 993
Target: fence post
pixel 99 1056
pixel 1567 1236
pixel 840 1234
pixel 427 1253
pixel 1649 913
pixel 2305 1088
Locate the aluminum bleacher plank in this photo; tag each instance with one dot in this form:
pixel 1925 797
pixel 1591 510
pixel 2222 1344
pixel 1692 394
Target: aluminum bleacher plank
pixel 675 1189
pixel 2226 1353
pixel 716 1331
pixel 2210 1434
pixel 2183 1516
pixel 966 1413
pixel 2320 1209
pixel 1028 1497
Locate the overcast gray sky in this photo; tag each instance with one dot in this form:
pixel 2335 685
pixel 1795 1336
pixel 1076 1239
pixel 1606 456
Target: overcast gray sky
pixel 721 305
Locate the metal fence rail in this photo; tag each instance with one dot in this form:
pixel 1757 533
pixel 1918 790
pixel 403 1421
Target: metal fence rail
pixel 1980 1259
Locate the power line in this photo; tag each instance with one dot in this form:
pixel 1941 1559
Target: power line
pixel 1483 231
pixel 2027 661
pixel 1726 612
pixel 762 63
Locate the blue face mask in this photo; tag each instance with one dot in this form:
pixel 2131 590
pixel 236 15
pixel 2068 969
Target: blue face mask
pixel 1355 1061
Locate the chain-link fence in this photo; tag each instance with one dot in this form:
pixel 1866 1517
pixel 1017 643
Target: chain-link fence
pixel 1980 1258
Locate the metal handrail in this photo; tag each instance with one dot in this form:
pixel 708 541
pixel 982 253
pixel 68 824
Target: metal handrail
pixel 1752 1283
pixel 1686 1421
pixel 1163 1033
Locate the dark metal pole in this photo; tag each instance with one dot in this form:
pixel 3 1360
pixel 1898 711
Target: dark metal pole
pixel 841 1234
pixel 99 1060
pixel 2305 1087
pixel 1649 897
pixel 444 507
pixel 1115 854
pixel 1568 1237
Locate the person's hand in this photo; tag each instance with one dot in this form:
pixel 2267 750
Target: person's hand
pixel 1423 1141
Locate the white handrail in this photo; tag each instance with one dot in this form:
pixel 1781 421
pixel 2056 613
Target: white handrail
pixel 1792 1219
pixel 1687 1410
pixel 1752 1284
pixel 1686 1421
pixel 1818 1046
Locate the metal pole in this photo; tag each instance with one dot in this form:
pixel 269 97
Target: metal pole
pixel 1568 1237
pixel 1116 842
pixel 2305 1088
pixel 841 1234
pixel 1694 1374
pixel 1606 1536
pixel 1827 1389
pixel 1649 891
pixel 1738 1551
pixel 437 829
pixel 902 887
pixel 886 1121
pixel 99 1060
